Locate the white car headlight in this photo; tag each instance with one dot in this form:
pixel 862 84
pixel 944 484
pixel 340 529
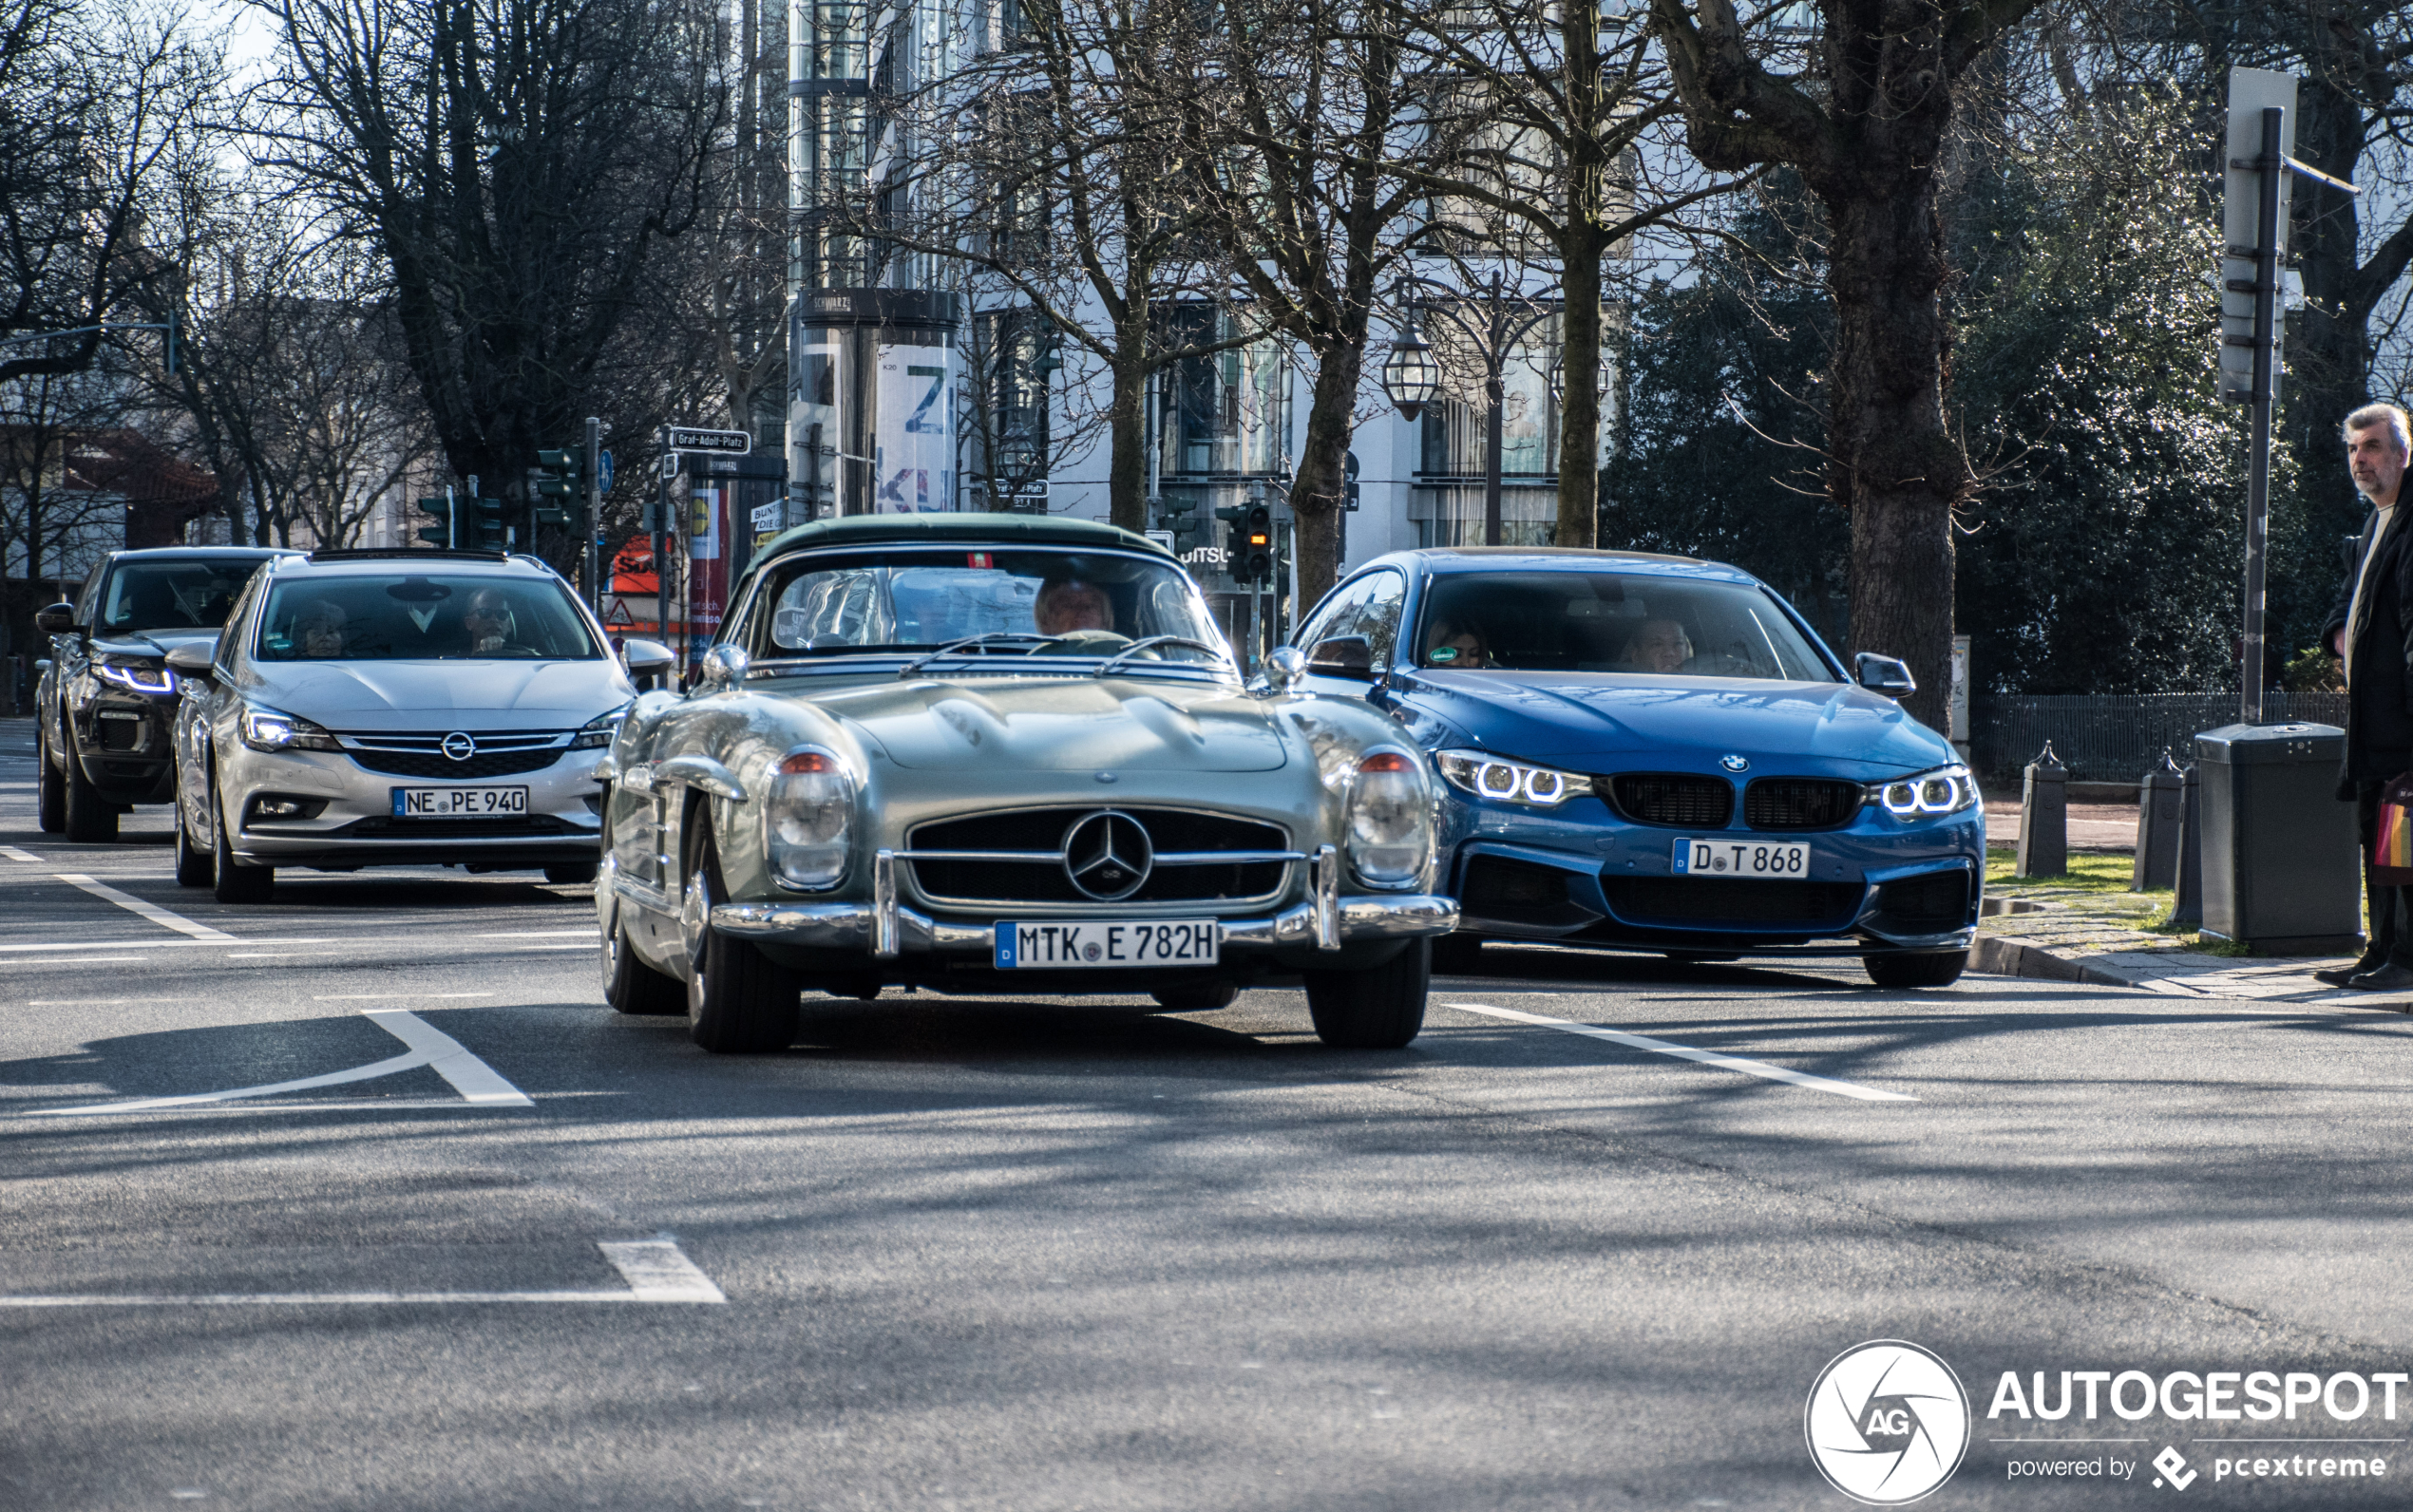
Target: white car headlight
pixel 597 734
pixel 1389 827
pixel 1509 782
pixel 809 818
pixel 139 676
pixel 267 730
pixel 1945 790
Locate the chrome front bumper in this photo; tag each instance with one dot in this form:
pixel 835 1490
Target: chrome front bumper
pixel 887 929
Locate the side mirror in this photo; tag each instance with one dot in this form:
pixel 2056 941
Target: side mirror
pixel 193 659
pixel 54 619
pixel 647 658
pixel 724 668
pixel 1343 657
pixel 1283 666
pixel 1884 675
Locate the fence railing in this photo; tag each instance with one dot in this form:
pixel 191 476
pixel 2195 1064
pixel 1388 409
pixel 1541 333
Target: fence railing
pixel 2117 737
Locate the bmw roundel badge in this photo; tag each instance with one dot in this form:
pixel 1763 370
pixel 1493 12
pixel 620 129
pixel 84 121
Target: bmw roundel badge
pixel 1735 763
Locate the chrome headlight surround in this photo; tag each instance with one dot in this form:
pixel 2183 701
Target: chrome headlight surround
pixel 597 734
pixel 135 676
pixel 808 815
pixel 1387 822
pixel 1927 795
pixel 270 731
pixel 1507 782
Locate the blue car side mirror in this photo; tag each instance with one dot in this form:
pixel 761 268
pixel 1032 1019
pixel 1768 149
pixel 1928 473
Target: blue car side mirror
pixel 1884 675
pixel 1343 657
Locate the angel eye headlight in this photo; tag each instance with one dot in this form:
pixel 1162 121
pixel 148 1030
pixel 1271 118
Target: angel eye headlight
pixel 1945 790
pixel 1510 782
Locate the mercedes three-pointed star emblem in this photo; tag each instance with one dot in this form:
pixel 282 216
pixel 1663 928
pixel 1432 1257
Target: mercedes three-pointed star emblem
pixel 1107 856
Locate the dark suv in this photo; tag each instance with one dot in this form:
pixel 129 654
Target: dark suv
pixel 107 698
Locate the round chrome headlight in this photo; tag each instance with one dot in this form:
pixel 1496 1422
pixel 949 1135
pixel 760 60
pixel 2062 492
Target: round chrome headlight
pixel 1389 827
pixel 809 818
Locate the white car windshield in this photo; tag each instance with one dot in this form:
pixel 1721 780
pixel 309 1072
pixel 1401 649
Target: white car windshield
pixel 1636 623
pixel 1059 601
pixel 422 617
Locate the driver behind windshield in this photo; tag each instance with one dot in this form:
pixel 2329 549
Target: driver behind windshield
pixel 1658 646
pixel 1068 604
pixel 487 618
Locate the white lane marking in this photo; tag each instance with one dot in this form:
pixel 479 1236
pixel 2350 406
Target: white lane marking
pixel 477 1082
pixel 589 945
pixel 386 998
pixel 658 1271
pixel 74 960
pixel 652 1278
pixel 171 944
pixel 1661 1046
pixel 150 911
pixel 15 855
pixel 471 1077
pixel 96 1002
pixel 540 933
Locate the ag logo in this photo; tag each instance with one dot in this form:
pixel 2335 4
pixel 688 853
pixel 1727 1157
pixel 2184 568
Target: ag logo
pixel 1887 1423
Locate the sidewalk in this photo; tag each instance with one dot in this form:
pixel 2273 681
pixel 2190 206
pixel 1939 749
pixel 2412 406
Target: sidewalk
pixel 2083 928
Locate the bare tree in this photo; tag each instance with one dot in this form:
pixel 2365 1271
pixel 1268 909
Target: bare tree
pixel 1861 106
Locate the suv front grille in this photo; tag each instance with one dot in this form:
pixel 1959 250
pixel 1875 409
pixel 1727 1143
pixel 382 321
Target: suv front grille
pixel 1676 800
pixel 984 882
pixel 1801 803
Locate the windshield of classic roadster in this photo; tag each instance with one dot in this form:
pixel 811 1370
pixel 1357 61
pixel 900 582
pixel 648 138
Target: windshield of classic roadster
pixel 1052 602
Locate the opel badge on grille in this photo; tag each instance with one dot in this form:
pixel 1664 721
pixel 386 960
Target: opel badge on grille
pixel 1107 856
pixel 460 746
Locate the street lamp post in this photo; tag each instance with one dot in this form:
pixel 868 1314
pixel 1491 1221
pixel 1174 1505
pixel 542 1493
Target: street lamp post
pixel 1413 378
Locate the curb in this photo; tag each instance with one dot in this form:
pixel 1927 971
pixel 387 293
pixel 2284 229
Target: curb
pixel 2004 956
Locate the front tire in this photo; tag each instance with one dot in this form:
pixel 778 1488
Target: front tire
pixel 1199 997
pixel 195 867
pixel 53 806
pixel 235 882
pixel 91 819
pixel 570 873
pixel 1941 969
pixel 739 1001
pixel 630 986
pixel 1380 1009
pixel 1458 954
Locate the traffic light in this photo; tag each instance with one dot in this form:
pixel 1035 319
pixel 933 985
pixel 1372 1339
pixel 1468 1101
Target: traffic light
pixel 557 478
pixel 1181 518
pixel 479 526
pixel 1256 564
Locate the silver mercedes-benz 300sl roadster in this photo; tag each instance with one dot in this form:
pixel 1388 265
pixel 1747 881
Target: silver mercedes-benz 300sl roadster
pixel 1004 754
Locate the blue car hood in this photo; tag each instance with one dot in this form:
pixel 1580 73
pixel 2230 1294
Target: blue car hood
pixel 1613 722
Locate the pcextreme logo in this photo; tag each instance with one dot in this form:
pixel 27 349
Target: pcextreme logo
pixel 1887 1422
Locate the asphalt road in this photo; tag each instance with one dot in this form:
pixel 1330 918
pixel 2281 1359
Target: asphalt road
pixel 1021 1255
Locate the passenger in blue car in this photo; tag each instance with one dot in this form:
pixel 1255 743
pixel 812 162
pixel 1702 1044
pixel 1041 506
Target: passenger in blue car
pixel 1660 645
pixel 1459 648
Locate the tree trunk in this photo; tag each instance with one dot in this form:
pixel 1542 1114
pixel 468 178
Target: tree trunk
pixel 1126 449
pixel 1891 466
pixel 1579 415
pixel 2328 341
pixel 1321 487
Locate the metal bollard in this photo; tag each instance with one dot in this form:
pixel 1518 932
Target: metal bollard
pixel 2187 906
pixel 2160 808
pixel 2043 817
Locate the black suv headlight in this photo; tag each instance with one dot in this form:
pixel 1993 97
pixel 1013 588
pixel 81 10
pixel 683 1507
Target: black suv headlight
pixel 134 676
pixel 1945 790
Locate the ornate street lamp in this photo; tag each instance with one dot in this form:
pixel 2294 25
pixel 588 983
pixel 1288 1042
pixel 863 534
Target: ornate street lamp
pixel 1410 376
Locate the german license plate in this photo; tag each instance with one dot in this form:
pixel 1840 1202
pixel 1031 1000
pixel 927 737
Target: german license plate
pixel 460 802
pixel 1742 858
pixel 1051 945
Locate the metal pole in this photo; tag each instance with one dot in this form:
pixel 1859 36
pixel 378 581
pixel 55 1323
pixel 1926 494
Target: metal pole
pixel 1492 357
pixel 2266 318
pixel 593 531
pixel 451 519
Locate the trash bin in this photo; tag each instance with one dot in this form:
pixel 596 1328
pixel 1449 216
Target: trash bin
pixel 2282 865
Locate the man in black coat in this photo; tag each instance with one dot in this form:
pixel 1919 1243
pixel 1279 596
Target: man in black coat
pixel 2371 628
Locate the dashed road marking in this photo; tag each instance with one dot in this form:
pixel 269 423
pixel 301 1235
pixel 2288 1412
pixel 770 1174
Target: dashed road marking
pixel 540 933
pixel 1661 1046
pixel 15 855
pixel 479 1084
pixel 656 1270
pixel 151 911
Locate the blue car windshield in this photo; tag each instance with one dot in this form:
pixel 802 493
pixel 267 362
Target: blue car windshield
pixel 1636 623
pixel 918 599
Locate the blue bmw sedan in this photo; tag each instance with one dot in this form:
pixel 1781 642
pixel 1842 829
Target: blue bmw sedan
pixel 1655 753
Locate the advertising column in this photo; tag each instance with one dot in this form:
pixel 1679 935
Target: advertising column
pixel 871 405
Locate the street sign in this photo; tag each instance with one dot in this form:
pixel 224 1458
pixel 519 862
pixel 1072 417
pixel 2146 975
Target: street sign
pixel 1162 538
pixel 1036 488
pixel 684 438
pixel 2251 92
pixel 603 470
